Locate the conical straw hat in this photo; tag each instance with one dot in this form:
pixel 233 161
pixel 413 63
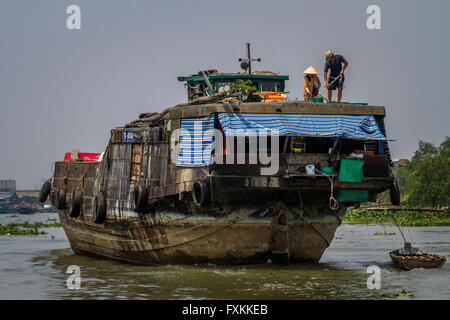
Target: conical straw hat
pixel 310 70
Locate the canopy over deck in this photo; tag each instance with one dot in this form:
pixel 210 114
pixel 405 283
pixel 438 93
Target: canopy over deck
pixel 197 135
pixel 363 127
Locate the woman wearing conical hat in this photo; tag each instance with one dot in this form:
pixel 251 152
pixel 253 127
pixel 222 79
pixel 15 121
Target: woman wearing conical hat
pixel 311 83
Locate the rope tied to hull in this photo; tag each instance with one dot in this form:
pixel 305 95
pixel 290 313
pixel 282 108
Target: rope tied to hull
pixel 81 185
pixel 50 180
pixel 333 203
pixel 103 165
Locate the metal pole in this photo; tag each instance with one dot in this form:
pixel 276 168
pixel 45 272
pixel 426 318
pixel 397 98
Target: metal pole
pixel 249 61
pixel 325 88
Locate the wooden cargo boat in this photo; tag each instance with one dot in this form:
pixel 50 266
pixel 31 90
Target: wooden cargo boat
pixel 163 192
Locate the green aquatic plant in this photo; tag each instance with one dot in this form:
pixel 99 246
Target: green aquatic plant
pixel 384 233
pixel 52 223
pixel 26 228
pixel 398 294
pixel 403 218
pixel 15 229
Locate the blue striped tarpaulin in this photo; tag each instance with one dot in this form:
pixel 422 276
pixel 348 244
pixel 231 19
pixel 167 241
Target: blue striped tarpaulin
pixel 363 127
pixel 196 142
pixel 384 147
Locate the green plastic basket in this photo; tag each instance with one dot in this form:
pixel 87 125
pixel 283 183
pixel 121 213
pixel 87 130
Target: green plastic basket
pixel 317 99
pixel 327 170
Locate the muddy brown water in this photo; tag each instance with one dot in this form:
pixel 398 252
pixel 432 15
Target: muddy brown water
pixel 34 267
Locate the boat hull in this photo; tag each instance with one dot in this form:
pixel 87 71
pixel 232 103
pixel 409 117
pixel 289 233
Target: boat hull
pixel 409 262
pixel 190 240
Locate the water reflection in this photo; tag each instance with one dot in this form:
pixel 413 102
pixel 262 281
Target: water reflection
pixel 35 267
pixel 112 279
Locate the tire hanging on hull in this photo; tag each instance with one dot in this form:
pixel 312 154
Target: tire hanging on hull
pixel 139 199
pixel 45 191
pixel 61 199
pixel 200 193
pixel 75 208
pixel 395 192
pixel 100 208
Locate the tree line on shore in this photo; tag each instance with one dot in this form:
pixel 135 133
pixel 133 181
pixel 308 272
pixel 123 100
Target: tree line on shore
pixel 425 180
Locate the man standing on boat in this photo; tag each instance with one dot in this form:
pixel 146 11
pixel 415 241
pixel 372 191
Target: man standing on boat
pixel 337 65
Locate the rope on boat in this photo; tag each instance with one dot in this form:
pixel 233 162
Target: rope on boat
pixel 337 217
pixel 102 168
pixel 410 237
pixel 233 221
pixel 318 232
pixel 333 204
pixel 283 205
pixel 81 185
pixel 399 229
pixel 52 189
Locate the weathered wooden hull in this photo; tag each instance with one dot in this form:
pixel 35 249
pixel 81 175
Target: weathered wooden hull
pixel 250 230
pixel 189 240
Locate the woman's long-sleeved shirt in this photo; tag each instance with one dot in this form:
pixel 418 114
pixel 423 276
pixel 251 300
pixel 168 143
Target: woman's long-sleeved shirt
pixel 310 85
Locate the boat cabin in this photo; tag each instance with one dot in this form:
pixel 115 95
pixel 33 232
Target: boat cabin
pixel 197 84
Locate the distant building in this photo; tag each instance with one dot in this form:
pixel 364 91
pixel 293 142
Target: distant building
pixel 7 189
pixel 400 162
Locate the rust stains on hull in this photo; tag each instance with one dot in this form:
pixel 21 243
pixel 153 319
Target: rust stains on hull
pixel 189 241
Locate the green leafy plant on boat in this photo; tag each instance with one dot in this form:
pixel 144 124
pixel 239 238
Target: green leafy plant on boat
pixel 245 90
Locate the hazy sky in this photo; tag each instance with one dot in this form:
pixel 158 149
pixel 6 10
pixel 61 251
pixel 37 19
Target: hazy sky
pixel 62 89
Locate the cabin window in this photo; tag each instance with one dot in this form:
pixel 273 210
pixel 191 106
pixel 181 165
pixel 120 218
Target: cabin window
pixel 274 86
pixel 195 90
pixel 222 86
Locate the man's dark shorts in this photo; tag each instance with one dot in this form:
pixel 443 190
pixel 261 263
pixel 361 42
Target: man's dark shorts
pixel 337 84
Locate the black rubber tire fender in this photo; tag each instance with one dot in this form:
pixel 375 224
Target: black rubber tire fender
pixel 61 199
pixel 139 198
pixel 45 191
pixel 200 193
pixel 395 192
pixel 100 208
pixel 75 208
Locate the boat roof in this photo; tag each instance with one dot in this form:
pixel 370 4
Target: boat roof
pixel 216 75
pixel 4 196
pixel 289 107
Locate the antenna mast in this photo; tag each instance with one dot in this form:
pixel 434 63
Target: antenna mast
pixel 246 63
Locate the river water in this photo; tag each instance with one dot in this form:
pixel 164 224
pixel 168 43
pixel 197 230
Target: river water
pixel 34 267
